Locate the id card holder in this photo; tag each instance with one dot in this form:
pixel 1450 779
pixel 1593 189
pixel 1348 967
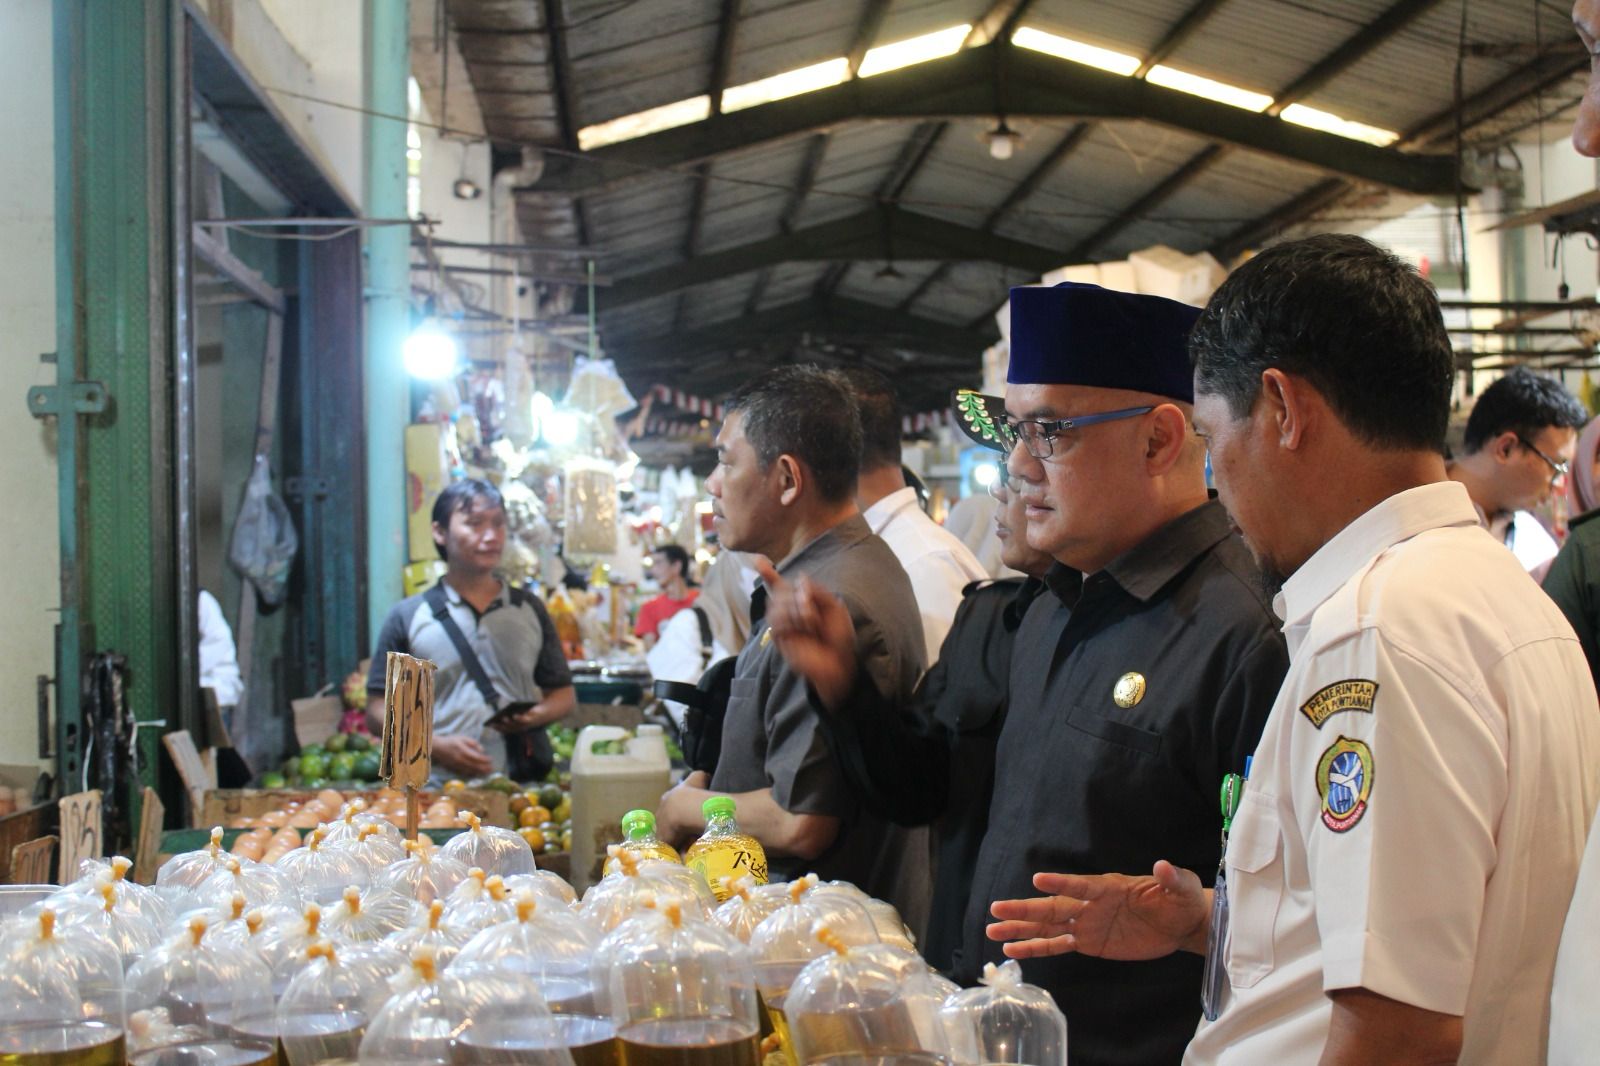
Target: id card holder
pixel 1215 974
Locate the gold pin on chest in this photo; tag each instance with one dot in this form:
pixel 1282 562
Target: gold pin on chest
pixel 1128 690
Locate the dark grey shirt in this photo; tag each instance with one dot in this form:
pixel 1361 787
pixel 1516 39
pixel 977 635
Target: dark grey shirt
pixel 515 641
pixel 771 738
pixel 1083 785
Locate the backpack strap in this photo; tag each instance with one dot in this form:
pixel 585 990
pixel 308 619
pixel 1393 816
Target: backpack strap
pixel 440 605
pixel 706 640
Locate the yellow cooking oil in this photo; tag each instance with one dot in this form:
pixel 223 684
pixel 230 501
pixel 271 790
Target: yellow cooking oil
pixel 724 852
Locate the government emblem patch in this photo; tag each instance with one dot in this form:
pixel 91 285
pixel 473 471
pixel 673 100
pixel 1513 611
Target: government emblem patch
pixel 1354 694
pixel 1344 780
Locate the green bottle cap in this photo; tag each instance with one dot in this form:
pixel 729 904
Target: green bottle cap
pixel 718 806
pixel 636 824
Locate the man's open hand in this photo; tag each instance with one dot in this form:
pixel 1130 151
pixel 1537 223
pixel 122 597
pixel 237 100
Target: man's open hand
pixel 1113 916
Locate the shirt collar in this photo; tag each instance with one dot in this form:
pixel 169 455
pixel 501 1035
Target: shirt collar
pixel 1147 567
pixel 1393 521
pixel 454 598
pixel 852 530
pixel 883 512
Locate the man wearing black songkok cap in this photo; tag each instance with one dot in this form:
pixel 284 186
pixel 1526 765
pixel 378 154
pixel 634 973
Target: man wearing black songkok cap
pixel 1138 681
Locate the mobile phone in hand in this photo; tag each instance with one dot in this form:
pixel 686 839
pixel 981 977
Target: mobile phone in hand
pixel 510 710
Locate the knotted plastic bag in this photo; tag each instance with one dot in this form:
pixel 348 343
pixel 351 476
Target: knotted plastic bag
pixel 264 541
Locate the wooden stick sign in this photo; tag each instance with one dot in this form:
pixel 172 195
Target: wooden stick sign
pixel 407 756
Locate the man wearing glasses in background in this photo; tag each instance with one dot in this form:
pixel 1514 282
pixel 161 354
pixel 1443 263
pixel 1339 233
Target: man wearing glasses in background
pixel 1139 679
pixel 1519 440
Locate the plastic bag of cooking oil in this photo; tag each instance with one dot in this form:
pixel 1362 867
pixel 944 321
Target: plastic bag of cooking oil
pixel 259 883
pixel 283 945
pixel 60 994
pixel 106 917
pixel 859 1006
pixel 785 941
pixel 637 886
pixel 322 871
pixel 189 869
pixel 746 907
pixel 1005 1020
pixel 326 1008
pixel 555 947
pixel 463 1015
pixel 493 850
pixel 131 896
pixel 479 902
pixel 434 931
pixel 195 1001
pixel 364 915
pixel 682 991
pixel 423 875
pixel 543 882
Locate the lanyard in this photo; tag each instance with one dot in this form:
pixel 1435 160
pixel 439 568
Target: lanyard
pixel 1217 936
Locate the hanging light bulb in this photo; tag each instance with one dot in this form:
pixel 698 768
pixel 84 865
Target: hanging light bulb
pixel 1003 141
pixel 429 353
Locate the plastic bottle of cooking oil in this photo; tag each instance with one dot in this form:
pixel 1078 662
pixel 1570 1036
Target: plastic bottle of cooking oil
pixel 639 837
pixel 724 851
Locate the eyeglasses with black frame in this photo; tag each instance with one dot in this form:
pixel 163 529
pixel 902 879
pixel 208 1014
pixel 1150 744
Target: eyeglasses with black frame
pixel 1558 470
pixel 1038 435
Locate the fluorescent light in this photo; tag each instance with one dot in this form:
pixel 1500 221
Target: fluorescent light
pixel 1076 51
pixel 914 50
pixel 1310 117
pixel 640 123
pixel 787 84
pixel 1219 91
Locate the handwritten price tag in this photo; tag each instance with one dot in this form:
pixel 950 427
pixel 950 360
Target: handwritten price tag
pixel 407 721
pixel 80 832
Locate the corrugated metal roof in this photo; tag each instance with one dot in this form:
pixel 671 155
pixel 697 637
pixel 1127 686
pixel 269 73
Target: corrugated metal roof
pixel 630 55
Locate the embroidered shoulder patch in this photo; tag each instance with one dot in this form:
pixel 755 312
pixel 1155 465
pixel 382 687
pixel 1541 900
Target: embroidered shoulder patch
pixel 1344 780
pixel 1354 694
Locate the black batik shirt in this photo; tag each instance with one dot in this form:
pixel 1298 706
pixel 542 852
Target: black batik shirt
pixel 1083 785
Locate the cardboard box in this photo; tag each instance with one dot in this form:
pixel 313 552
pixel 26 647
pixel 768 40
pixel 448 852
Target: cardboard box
pixel 225 806
pixel 316 718
pixel 430 449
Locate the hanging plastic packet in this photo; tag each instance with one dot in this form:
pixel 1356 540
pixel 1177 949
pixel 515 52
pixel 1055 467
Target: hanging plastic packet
pixel 466 1015
pixel 323 872
pixel 1005 1021
pixel 196 1002
pixel 1215 974
pixel 61 996
pixel 850 1006
pixel 554 947
pixel 494 850
pixel 362 916
pixel 423 875
pixel 682 993
pixel 326 1008
pixel 433 931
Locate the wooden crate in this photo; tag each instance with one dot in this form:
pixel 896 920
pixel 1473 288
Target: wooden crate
pixel 30 823
pixel 224 806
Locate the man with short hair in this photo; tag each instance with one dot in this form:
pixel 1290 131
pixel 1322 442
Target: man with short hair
pixel 787 456
pixel 1519 440
pixel 1412 820
pixel 939 565
pixel 1139 678
pixel 508 630
pixel 669 568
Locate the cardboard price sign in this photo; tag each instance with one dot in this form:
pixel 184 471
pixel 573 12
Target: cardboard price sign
pixel 407 721
pixel 80 832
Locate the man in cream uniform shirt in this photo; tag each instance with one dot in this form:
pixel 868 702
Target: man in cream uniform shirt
pixel 939 564
pixel 1417 807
